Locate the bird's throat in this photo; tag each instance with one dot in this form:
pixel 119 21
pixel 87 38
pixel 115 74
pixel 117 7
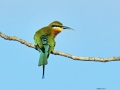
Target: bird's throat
pixel 57 31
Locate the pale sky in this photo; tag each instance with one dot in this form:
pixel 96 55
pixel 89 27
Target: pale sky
pixel 96 25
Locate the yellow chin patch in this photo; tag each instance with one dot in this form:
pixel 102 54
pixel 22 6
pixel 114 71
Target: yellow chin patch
pixel 57 30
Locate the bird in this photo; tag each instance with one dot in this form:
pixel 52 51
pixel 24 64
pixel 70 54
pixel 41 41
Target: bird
pixel 44 40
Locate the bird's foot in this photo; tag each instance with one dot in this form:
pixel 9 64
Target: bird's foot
pixel 52 52
pixel 36 47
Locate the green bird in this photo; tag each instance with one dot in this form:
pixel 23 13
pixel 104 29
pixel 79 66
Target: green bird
pixel 44 40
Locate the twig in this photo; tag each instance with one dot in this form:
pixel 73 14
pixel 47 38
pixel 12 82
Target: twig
pixel 98 59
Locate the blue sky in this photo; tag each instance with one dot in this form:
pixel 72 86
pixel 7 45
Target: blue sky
pixel 97 28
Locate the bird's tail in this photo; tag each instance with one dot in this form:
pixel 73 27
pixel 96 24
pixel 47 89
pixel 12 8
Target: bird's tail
pixel 43 58
pixel 43 71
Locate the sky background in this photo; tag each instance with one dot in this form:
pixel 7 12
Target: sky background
pixel 96 25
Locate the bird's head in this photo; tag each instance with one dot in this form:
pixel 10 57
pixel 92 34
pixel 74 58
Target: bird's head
pixel 58 27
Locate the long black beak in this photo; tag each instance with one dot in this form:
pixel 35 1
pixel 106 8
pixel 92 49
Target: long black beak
pixel 65 27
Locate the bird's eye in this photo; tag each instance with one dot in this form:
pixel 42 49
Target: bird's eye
pixel 56 26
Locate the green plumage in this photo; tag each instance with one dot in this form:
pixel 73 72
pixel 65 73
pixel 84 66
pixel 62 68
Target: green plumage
pixel 49 35
pixel 44 47
pixel 44 40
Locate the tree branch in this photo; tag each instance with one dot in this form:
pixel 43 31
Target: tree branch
pixel 98 59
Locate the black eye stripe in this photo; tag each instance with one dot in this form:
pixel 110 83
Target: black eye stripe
pixel 54 25
pixel 57 26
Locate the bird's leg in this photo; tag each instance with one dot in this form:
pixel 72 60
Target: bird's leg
pixel 52 52
pixel 36 47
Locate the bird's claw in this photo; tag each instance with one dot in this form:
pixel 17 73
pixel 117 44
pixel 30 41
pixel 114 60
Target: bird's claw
pixel 36 47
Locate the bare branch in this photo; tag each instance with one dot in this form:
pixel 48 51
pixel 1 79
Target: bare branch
pixel 98 59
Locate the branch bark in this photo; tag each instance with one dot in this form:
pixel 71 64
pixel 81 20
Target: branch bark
pixel 98 59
